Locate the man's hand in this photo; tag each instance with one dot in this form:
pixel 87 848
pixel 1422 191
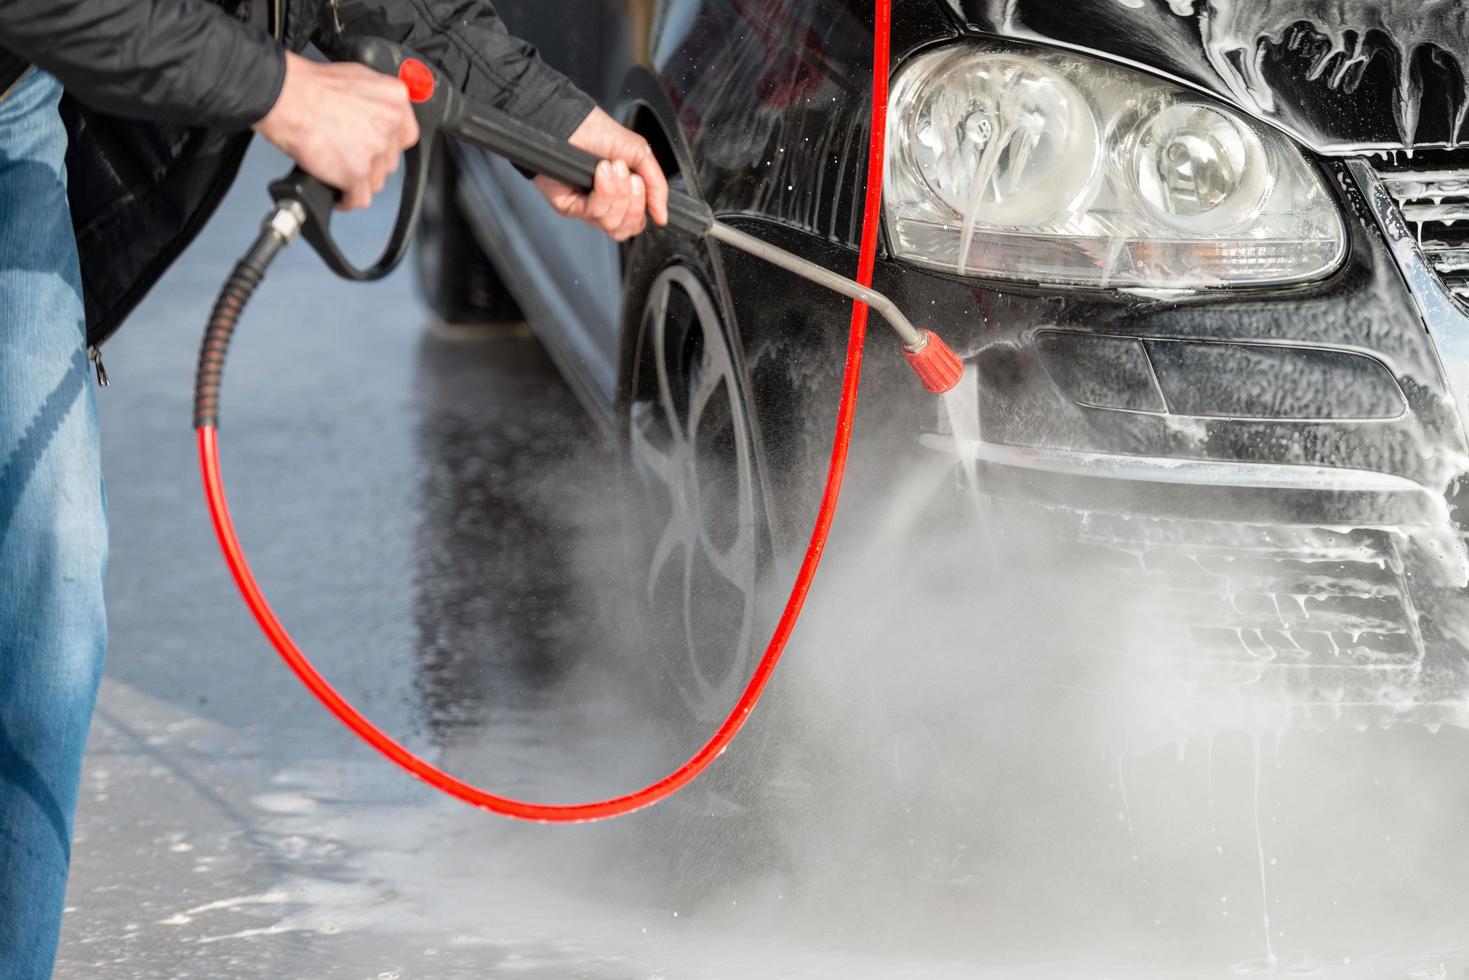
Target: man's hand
pixel 629 184
pixel 346 124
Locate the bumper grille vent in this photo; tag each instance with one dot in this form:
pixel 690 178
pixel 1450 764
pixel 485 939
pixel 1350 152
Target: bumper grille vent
pixel 1309 626
pixel 1432 191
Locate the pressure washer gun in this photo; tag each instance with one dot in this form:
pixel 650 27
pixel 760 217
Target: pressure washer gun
pixel 305 205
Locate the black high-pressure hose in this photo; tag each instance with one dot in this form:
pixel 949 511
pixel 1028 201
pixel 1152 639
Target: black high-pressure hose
pixel 276 233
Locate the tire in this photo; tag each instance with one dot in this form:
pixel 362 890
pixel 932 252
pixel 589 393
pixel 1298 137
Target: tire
pixel 700 540
pixel 458 281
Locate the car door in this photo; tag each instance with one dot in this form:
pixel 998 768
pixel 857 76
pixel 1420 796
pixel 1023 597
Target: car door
pixel 578 37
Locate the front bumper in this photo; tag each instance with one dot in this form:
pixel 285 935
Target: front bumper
pixel 1171 487
pixel 1228 593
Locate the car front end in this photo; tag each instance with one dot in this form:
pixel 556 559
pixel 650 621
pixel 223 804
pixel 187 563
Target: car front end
pixel 1204 263
pixel 1226 370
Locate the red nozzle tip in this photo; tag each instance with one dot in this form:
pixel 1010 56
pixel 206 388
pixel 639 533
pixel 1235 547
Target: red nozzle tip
pixel 936 364
pixel 418 77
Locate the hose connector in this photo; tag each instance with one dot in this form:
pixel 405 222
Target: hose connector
pixel 935 363
pixel 286 221
pixel 279 229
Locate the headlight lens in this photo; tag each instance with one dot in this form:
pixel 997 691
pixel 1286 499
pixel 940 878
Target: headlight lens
pixel 1051 167
pixel 1022 125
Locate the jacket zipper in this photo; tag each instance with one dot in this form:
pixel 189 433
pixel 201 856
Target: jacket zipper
pixel 277 27
pixel 94 354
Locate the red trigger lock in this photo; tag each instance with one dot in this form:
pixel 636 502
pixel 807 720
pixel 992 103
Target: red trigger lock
pixel 418 77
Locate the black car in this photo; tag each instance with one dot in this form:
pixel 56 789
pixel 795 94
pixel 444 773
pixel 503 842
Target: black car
pixel 1205 261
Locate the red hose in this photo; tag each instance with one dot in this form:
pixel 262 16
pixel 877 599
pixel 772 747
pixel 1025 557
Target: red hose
pixel 686 773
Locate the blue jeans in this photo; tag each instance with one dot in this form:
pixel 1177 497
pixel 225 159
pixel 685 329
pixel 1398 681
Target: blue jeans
pixel 53 530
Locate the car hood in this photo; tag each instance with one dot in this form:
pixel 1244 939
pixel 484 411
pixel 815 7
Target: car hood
pixel 1342 76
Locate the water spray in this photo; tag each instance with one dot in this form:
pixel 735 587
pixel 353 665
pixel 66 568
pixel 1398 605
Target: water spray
pixel 304 207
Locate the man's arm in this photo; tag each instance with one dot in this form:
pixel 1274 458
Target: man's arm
pixel 188 61
pixel 179 60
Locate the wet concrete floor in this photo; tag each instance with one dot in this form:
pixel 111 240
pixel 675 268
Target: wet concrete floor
pixel 433 517
pixel 385 479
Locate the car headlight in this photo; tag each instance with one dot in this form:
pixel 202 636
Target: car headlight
pixel 1047 166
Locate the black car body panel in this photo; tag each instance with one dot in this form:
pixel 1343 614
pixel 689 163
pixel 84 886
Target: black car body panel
pixel 1342 76
pixel 1284 429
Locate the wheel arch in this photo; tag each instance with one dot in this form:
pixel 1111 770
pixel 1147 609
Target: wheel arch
pixel 648 111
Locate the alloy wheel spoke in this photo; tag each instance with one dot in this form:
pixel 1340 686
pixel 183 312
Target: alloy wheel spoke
pixel 675 534
pixel 700 401
pixel 736 563
pixel 655 460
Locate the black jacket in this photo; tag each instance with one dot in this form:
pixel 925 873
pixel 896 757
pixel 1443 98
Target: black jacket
pixel 160 95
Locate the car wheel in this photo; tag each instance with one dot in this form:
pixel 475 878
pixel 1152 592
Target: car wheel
pixel 458 281
pixel 700 535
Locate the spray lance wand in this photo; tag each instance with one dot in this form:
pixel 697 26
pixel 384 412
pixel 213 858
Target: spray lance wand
pixel 304 206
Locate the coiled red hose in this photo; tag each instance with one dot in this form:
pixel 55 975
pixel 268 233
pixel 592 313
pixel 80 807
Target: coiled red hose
pixel 208 439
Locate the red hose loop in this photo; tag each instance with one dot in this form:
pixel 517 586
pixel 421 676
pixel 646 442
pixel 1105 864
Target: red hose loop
pixel 208 438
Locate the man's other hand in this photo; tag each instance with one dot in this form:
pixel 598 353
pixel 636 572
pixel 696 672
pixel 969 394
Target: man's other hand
pixel 629 184
pixel 345 124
